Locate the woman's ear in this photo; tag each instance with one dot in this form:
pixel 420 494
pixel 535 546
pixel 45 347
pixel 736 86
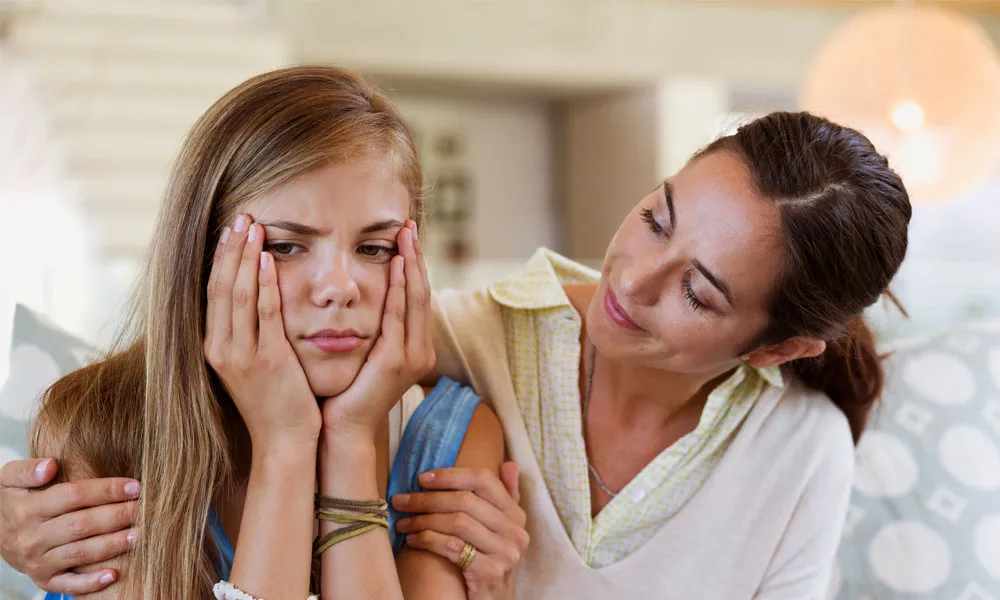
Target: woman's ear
pixel 791 349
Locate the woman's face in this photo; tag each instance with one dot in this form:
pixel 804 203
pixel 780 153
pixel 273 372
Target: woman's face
pixel 332 233
pixel 687 279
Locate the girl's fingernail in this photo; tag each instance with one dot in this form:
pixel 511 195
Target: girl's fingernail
pixel 241 224
pixel 132 489
pixel 402 524
pixel 41 467
pixel 263 261
pixel 401 498
pixel 132 537
pixel 427 477
pixel 252 237
pixel 107 578
pixel 225 236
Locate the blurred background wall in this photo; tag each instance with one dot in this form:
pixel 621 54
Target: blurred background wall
pixel 540 122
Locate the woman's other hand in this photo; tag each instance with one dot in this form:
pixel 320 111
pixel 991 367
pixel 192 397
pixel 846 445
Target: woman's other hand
pixel 471 505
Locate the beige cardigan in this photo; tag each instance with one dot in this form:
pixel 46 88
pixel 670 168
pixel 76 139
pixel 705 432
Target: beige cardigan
pixel 765 525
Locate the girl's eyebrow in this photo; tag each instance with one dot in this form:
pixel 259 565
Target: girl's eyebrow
pixel 306 230
pixel 383 226
pixel 292 226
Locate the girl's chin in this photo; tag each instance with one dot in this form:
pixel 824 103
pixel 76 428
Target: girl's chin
pixel 324 389
pixel 332 377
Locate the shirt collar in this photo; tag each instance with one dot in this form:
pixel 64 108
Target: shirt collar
pixel 539 285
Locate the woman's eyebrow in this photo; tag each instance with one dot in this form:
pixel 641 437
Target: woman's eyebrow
pixel 716 282
pixel 668 198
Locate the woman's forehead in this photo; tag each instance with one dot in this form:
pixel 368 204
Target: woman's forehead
pixel 733 230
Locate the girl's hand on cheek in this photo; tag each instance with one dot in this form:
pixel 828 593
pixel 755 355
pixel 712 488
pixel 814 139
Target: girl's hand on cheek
pixel 403 353
pixel 245 343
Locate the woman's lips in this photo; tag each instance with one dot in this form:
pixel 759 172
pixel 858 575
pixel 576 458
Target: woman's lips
pixel 333 341
pixel 617 313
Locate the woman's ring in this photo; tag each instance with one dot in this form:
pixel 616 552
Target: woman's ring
pixel 465 558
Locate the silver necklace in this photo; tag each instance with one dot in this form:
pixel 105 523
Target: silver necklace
pixel 586 403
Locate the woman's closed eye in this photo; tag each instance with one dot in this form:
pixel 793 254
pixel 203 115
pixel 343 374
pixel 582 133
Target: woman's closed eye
pixel 692 299
pixel 654 225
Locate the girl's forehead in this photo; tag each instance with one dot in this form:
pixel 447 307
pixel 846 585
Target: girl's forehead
pixel 340 194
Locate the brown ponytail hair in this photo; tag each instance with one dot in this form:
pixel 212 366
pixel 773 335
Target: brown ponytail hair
pixel 844 214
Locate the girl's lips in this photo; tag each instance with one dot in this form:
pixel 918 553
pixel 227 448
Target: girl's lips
pixel 331 340
pixel 336 344
pixel 617 313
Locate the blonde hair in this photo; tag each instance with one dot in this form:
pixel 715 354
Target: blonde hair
pixel 170 420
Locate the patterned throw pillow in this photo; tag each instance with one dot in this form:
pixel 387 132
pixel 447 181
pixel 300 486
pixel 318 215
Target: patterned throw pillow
pixel 40 354
pixel 924 520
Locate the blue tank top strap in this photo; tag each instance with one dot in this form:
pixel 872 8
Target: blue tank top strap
pixel 225 549
pixel 430 441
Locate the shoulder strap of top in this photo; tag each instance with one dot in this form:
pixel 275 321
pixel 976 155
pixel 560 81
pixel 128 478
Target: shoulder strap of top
pixel 431 440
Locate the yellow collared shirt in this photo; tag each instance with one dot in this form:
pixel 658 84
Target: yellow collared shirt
pixel 542 333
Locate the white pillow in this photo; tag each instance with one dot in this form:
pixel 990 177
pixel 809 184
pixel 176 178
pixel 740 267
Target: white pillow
pixel 40 354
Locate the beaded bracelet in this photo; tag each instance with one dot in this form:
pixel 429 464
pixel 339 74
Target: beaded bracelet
pixel 227 591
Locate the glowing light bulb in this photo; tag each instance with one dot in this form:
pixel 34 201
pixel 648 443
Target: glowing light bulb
pixel 908 116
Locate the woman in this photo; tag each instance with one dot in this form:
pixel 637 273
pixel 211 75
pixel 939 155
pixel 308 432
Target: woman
pixel 684 419
pixel 286 254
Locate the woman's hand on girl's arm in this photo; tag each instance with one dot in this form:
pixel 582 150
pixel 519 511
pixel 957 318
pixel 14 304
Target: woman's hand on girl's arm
pixel 245 344
pixel 466 503
pixel 48 533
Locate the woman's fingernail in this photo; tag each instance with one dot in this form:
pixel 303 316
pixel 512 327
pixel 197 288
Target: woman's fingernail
pixel 427 477
pixel 225 236
pixel 253 234
pixel 107 578
pixel 132 537
pixel 402 524
pixel 41 467
pixel 132 489
pixel 241 224
pixel 401 498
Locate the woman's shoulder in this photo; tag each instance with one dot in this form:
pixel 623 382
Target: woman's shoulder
pixel 809 427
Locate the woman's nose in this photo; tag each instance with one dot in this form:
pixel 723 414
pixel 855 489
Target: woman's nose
pixel 643 280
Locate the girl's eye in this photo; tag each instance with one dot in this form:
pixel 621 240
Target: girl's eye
pixel 649 219
pixel 281 248
pixel 372 251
